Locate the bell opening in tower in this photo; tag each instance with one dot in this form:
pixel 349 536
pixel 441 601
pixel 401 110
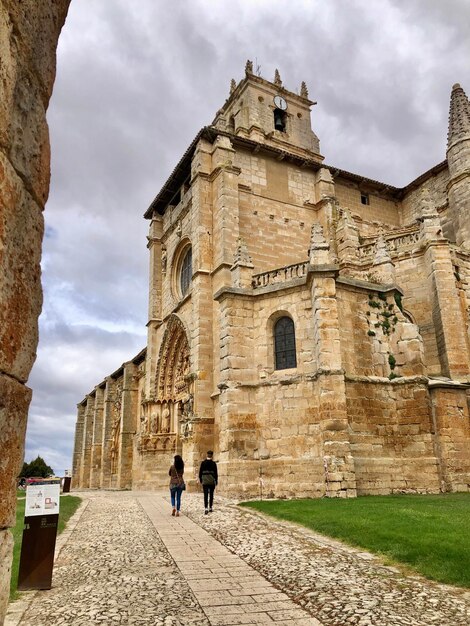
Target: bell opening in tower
pixel 280 118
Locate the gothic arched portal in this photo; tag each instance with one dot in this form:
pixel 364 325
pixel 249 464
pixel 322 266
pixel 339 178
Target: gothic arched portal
pixel 172 387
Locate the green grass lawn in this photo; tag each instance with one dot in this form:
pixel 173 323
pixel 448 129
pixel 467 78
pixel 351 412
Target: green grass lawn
pixel 68 506
pixel 429 533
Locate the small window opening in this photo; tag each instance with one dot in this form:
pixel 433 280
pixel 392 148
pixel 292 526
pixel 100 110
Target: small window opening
pixel 284 344
pixel 231 124
pixel 280 118
pixel 365 198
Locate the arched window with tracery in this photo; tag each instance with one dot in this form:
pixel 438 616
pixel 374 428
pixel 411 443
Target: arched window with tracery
pixel 186 272
pixel 284 344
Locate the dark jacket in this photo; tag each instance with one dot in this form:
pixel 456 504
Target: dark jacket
pixel 208 467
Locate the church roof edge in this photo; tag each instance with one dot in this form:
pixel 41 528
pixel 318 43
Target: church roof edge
pixel 139 357
pixel 182 170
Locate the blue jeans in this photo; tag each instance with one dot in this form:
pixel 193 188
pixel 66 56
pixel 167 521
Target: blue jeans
pixel 175 494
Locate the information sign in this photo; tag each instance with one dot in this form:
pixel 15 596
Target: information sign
pixel 42 499
pixel 39 535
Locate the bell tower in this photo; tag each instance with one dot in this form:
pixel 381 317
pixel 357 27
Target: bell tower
pixel 266 112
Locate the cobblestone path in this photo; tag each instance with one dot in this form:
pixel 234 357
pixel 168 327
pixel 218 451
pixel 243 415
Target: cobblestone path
pixel 115 570
pixel 129 562
pixel 340 586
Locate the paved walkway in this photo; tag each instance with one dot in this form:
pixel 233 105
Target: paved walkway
pixel 122 566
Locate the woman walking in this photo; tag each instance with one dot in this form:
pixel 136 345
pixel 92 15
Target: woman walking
pixel 177 485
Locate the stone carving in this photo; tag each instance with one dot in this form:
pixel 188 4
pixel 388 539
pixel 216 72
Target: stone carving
pixel 233 86
pixel 426 202
pixel 283 274
pixel 395 244
pixel 242 256
pixel 154 423
pixel 319 247
pixel 277 78
pixel 179 229
pixel 188 404
pixel 116 427
pixel 303 90
pixel 152 443
pixel 166 418
pixel 173 361
pixel 459 115
pixel 382 255
pixel 164 259
pixel 249 67
pixel 187 429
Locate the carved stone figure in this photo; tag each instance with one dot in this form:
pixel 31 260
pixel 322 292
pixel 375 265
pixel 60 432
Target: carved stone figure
pixel 187 405
pixel 154 423
pixel 166 420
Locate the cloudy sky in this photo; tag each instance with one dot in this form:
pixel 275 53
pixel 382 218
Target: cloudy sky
pixel 136 80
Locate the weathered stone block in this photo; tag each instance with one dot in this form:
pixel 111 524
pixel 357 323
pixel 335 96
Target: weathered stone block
pixel 6 551
pixel 21 231
pixel 14 403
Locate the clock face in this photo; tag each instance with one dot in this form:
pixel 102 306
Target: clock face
pixel 280 103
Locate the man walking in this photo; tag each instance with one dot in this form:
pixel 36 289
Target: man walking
pixel 208 479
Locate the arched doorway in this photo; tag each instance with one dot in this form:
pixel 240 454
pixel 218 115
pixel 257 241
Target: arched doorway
pixel 173 381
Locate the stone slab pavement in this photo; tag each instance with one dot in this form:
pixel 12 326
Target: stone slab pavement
pixel 126 560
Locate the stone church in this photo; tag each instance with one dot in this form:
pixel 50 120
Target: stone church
pixel 308 324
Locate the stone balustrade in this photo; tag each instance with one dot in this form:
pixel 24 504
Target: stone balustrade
pixel 395 244
pixel 280 275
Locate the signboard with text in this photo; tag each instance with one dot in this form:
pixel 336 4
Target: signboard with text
pixel 42 499
pixel 39 535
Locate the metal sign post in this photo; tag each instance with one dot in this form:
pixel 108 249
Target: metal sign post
pixel 39 535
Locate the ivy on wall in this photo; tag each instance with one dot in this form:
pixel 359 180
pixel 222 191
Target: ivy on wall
pixel 386 320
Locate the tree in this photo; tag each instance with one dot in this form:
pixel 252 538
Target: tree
pixel 36 469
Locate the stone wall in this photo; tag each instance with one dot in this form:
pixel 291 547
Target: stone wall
pixel 437 185
pixel 28 38
pixel 391 436
pixel 380 210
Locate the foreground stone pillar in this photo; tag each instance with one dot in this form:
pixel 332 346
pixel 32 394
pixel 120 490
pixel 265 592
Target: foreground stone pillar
pixel 28 38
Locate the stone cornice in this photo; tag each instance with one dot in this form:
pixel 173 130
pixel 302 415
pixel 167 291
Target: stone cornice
pixel 363 285
pixel 383 380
